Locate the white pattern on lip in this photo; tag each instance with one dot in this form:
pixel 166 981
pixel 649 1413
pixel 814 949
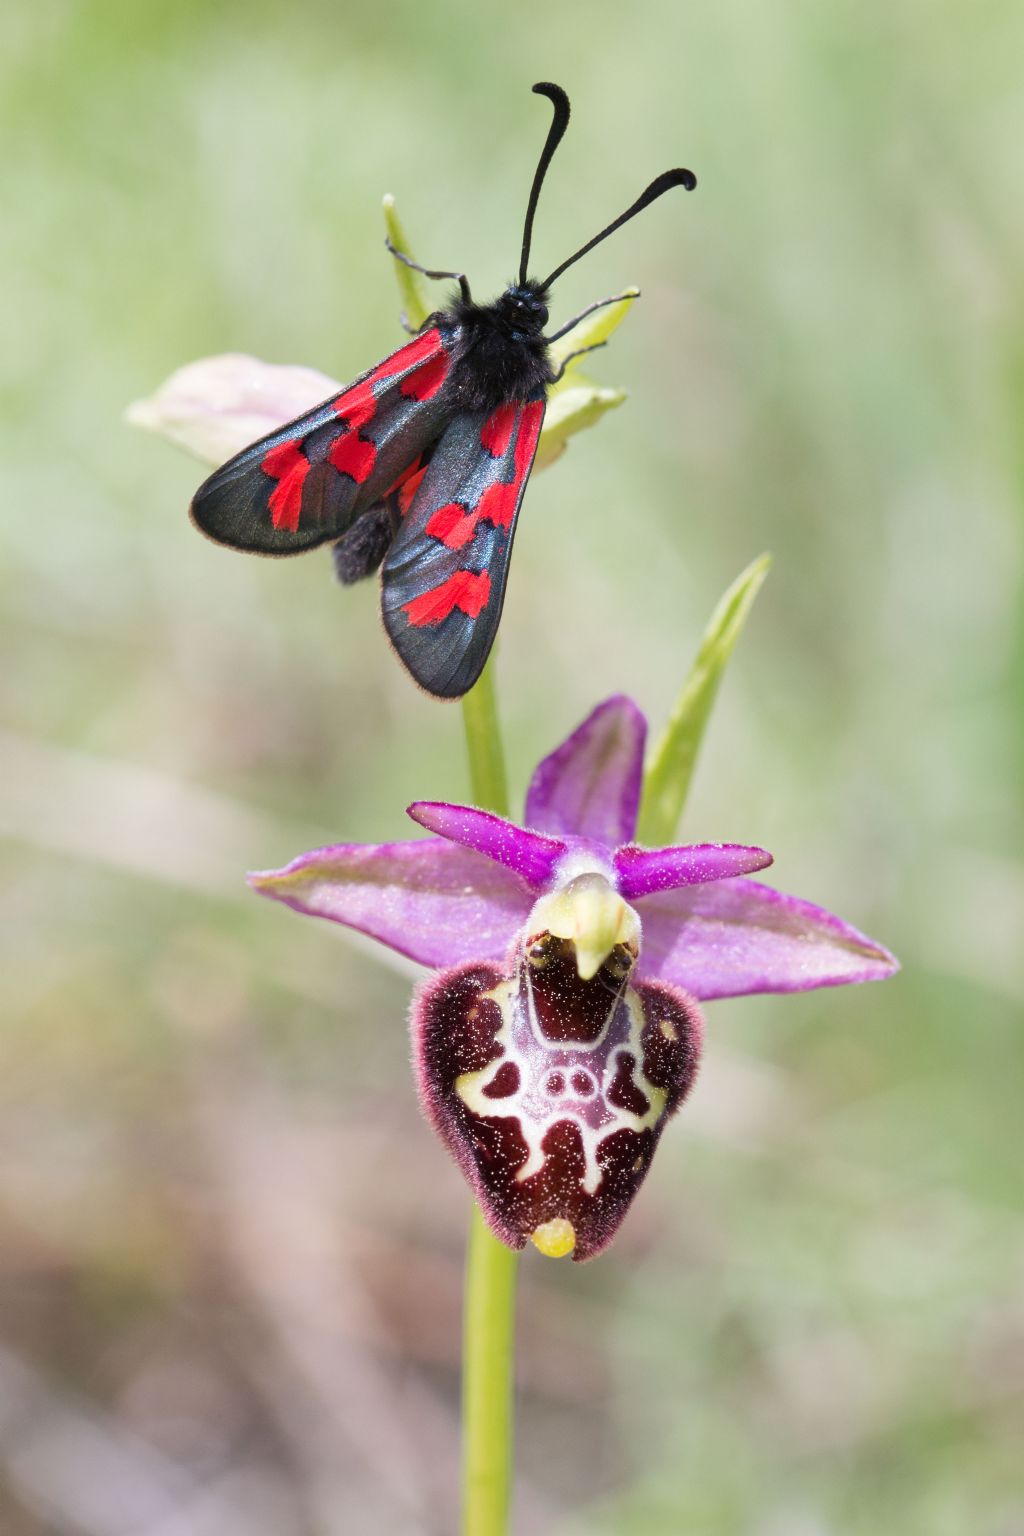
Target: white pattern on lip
pixel 533 1104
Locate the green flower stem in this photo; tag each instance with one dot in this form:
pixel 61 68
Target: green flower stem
pixel 488 1340
pixel 487 777
pixel 488 1367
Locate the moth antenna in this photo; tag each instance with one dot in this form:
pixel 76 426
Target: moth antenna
pixel 660 184
pixel 560 101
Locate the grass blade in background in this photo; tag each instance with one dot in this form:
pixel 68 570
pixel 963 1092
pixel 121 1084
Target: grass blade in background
pixel 668 774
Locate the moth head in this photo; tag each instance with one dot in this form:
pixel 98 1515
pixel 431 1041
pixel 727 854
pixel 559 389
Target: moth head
pixel 523 306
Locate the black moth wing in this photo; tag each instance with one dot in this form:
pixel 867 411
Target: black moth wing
pixel 359 551
pixel 443 580
pixel 306 483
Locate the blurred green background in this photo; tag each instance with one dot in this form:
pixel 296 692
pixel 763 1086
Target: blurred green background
pixel 230 1251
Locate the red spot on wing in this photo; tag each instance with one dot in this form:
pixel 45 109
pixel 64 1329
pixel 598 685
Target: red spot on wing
pixel 453 525
pixel 426 381
pixel 498 503
pixel 356 405
pixel 288 465
pixel 400 479
pixel 529 431
pixel 354 455
pixel 408 488
pixel 465 590
pixel 496 432
pixel 420 350
pixel 407 484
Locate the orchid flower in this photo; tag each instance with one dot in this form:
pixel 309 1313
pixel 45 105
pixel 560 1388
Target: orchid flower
pixel 563 1028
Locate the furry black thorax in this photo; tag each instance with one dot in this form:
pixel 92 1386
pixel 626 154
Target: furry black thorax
pixel 501 352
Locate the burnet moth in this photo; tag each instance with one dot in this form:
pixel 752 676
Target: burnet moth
pixel 420 465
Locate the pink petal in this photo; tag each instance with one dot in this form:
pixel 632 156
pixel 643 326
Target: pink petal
pixel 732 937
pixel 532 856
pixel 219 405
pixel 431 900
pixel 590 785
pixel 642 871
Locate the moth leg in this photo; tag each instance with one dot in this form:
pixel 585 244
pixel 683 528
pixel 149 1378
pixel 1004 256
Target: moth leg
pixel 458 277
pixel 616 298
pixel 594 347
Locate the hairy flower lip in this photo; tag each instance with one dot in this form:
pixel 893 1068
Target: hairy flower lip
pixel 554 1131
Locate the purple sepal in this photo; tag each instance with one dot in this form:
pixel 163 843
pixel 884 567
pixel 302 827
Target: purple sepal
pixel 732 937
pixel 642 871
pixel 530 854
pixel 432 900
pixel 590 786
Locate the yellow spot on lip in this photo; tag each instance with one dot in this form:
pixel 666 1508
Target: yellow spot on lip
pixel 555 1238
pixel 668 1029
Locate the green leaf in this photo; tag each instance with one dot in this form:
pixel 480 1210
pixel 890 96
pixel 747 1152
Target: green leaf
pixel 574 403
pixel 594 329
pixel 670 768
pixel 412 287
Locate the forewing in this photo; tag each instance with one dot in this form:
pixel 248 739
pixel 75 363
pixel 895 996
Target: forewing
pixel 309 481
pixel 445 572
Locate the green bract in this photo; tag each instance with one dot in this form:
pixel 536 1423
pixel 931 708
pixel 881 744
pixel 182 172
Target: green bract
pixel 668 774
